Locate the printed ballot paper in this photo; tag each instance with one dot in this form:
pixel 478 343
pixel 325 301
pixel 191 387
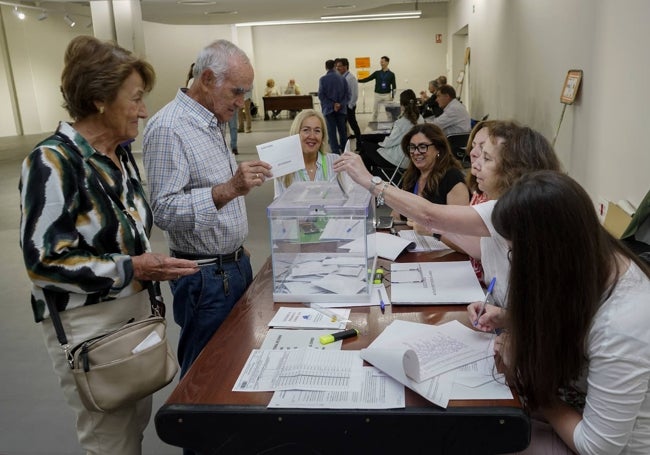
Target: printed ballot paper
pixel 284 155
pixel 426 360
pixel 432 283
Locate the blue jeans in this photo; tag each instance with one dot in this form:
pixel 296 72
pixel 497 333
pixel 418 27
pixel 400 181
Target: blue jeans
pixel 232 125
pixel 202 303
pixel 336 123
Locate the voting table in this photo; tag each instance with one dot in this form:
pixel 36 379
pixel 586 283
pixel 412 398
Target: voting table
pixel 287 102
pixel 204 414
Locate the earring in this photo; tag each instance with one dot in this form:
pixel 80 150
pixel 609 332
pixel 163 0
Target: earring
pixel 101 110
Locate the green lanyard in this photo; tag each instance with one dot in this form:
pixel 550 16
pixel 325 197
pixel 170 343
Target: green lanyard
pixel 323 164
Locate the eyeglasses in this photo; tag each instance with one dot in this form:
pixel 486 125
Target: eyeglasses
pixel 306 131
pixel 418 148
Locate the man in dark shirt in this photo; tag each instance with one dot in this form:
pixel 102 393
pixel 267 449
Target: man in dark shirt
pixel 385 85
pixel 334 96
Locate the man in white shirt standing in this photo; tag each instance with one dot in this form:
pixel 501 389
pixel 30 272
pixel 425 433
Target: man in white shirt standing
pixel 454 119
pixel 342 66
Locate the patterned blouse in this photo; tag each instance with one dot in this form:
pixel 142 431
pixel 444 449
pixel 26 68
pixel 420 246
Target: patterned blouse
pixel 75 239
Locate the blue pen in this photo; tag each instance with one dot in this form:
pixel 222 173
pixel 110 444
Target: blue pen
pixel 382 305
pixel 353 226
pixel 487 297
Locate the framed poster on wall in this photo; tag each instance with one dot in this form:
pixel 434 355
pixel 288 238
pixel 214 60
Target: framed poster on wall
pixel 571 86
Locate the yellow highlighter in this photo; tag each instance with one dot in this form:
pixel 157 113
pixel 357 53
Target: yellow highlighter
pixel 327 339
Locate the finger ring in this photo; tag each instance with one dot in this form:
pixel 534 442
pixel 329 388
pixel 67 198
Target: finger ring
pixel 257 176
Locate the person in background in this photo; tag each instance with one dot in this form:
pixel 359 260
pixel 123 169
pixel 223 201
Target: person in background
pixel 245 115
pixel 311 127
pixel 270 90
pixel 475 143
pixel 510 152
pixel 334 96
pixel 90 256
pixel 197 192
pixel 190 76
pixel 429 106
pixel 454 119
pixel 342 66
pixel 232 127
pixel 585 333
pixel 389 153
pixel 292 89
pixel 385 85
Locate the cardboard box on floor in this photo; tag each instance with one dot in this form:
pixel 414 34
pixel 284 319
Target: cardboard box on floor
pixel 616 220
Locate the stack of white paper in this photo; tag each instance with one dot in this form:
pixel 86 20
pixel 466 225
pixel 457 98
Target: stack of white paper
pixel 428 359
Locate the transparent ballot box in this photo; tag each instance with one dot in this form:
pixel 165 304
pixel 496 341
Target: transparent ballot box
pixel 319 243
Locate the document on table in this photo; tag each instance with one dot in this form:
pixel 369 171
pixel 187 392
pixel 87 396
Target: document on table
pixel 389 350
pixel 284 155
pixel 297 339
pixel 377 293
pixel 308 318
pixel 378 391
pixel 422 242
pixel 480 381
pixel 301 369
pixel 434 283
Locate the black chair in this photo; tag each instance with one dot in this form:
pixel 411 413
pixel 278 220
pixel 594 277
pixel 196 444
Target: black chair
pixel 458 144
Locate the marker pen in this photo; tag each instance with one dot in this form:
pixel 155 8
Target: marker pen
pixel 327 339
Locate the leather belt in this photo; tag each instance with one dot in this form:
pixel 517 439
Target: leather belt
pixel 210 258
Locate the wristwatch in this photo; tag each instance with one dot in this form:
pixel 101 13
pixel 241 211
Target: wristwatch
pixel 376 181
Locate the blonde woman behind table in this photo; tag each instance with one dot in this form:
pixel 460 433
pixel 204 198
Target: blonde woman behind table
pixel 310 125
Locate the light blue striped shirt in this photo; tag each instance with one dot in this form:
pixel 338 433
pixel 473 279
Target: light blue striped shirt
pixel 185 155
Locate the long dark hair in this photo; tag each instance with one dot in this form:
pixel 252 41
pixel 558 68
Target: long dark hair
pixel 562 261
pixel 408 101
pixel 444 161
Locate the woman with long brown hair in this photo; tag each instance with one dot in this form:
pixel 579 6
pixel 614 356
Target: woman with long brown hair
pixel 578 316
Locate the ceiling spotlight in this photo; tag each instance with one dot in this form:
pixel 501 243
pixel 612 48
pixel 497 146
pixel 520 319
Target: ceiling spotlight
pixel 68 20
pixel 19 14
pixel 42 16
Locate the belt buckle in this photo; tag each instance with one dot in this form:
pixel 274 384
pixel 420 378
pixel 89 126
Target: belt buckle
pixel 238 253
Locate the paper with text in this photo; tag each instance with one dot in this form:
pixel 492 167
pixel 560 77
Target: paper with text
pixel 307 318
pixel 284 155
pixel 378 391
pixel 301 369
pixel 434 283
pixel 297 339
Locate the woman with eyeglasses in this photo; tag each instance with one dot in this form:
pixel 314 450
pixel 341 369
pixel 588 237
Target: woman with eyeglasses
pixel 310 125
pixel 577 321
pixel 510 152
pixel 432 173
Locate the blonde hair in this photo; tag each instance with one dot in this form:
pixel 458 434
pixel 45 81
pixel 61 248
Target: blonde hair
pixel 303 115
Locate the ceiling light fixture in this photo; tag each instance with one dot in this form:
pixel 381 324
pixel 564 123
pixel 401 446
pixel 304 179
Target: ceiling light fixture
pixel 19 14
pixel 347 18
pixel 68 20
pixel 379 16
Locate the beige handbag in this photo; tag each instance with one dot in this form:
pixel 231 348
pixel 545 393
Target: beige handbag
pixel 120 367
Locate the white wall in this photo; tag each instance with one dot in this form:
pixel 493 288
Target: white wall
pixel 521 52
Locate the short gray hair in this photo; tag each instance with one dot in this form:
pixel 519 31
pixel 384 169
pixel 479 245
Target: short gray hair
pixel 218 57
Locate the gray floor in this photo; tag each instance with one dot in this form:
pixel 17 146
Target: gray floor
pixel 34 419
